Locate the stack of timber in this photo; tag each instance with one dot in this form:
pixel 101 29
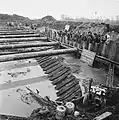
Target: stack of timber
pixel 65 82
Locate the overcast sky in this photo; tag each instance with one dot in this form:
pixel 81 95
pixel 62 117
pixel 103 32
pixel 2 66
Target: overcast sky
pixel 75 8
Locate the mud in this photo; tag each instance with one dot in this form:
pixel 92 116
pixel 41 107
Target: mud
pixel 83 72
pixel 14 97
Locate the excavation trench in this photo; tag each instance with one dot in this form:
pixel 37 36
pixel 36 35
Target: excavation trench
pixel 15 75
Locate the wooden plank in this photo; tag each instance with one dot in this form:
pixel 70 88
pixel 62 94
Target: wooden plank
pixel 53 69
pixel 14 46
pixel 67 87
pixel 50 66
pixel 41 59
pixel 49 63
pixel 103 116
pixel 22 39
pixel 78 92
pixel 18 51
pixel 76 88
pixel 60 85
pixel 14 57
pixel 64 76
pixel 56 71
pixel 19 36
pixel 59 74
pixel 69 92
pixel 45 61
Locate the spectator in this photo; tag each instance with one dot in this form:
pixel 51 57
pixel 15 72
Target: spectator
pixel 83 39
pixel 98 43
pixel 95 37
pixel 106 41
pixel 89 40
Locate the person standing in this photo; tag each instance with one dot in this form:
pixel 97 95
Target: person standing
pixel 90 41
pixel 106 42
pixel 95 41
pixel 98 42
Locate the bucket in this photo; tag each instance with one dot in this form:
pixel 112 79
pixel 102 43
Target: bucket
pixel 70 107
pixel 60 112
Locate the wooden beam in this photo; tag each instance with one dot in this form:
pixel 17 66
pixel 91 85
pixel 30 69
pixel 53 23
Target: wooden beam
pixel 19 36
pixel 14 57
pixel 28 45
pixel 15 33
pixel 26 50
pixel 103 116
pixel 22 39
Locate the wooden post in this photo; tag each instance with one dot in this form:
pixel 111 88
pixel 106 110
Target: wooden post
pixel 110 76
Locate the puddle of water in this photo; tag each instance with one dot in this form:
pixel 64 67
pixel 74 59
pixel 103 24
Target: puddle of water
pixel 45 88
pixel 11 103
pixel 31 76
pixel 15 64
pixel 18 74
pixel 85 70
pixel 23 82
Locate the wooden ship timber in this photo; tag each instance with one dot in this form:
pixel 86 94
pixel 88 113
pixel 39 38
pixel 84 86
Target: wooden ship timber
pixel 70 105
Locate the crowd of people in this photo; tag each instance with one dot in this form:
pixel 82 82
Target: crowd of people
pixel 91 41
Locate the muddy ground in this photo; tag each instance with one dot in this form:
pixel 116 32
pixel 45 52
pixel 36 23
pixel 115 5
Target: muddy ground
pixel 15 75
